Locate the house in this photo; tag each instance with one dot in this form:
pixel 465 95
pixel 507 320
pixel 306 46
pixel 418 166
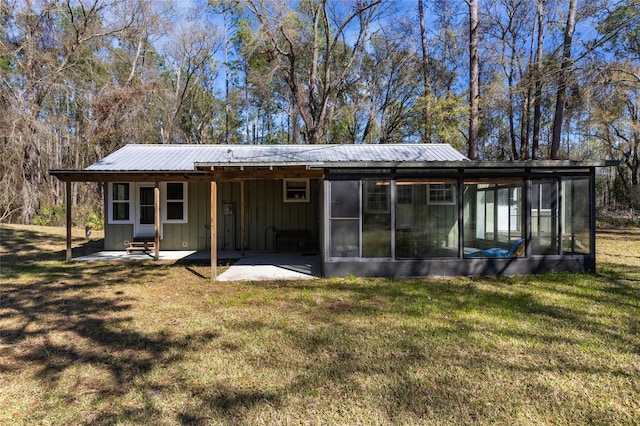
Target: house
pixel 368 210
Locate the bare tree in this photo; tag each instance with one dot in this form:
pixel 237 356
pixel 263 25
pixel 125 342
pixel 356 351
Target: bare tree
pixel 561 94
pixel 315 59
pixel 474 80
pixel 426 137
pixel 57 53
pixel 537 78
pixel 191 57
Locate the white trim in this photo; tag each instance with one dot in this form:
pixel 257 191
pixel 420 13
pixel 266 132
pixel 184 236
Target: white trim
pixel 143 230
pixel 130 201
pixel 450 187
pixel 304 198
pixel 371 184
pixel 134 204
pixel 164 201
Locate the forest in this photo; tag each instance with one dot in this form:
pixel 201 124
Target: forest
pixel 497 79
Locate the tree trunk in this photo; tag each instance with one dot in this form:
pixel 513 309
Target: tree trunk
pixel 474 80
pixel 226 78
pixel 426 136
pixel 537 97
pixel 561 94
pixel 511 110
pixel 635 164
pixel 247 125
pixel 525 125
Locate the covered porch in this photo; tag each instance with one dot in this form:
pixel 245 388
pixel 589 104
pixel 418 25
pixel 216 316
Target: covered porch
pixel 252 266
pixel 221 196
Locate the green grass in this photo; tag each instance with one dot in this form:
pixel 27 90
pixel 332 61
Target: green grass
pixel 108 343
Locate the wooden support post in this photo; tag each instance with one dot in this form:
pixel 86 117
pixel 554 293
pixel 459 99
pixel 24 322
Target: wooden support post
pixel 68 196
pixel 156 220
pixel 214 228
pixel 592 214
pixel 242 220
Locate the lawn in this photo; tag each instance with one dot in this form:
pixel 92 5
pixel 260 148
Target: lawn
pixel 156 343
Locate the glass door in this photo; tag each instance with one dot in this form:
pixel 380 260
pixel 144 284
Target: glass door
pixel 145 212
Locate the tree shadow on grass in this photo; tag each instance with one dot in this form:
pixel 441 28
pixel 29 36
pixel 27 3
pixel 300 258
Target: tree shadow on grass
pixel 226 403
pixel 440 344
pixel 67 320
pixel 332 362
pixel 24 245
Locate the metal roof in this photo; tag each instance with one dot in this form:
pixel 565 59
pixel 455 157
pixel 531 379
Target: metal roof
pixel 141 157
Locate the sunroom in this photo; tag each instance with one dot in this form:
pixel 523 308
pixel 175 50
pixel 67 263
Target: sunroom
pixel 485 218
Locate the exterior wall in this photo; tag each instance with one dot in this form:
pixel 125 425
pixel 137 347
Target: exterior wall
pixel 115 236
pixel 421 223
pixel 193 235
pixel 265 212
pixel 456 267
pixel 175 236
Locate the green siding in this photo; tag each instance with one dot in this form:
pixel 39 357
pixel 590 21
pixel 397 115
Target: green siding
pixel 439 221
pixel 116 235
pixel 266 211
pixel 264 208
pixel 185 236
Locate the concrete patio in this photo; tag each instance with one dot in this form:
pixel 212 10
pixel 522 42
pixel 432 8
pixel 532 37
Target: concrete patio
pixel 254 266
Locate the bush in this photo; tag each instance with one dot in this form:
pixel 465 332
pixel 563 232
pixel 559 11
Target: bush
pixel 50 216
pixel 95 221
pixel 56 216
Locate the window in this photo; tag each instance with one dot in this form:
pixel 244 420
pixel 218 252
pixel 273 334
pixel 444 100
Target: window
pixel 405 194
pixel 296 190
pixel 427 227
pixel 442 194
pixel 560 216
pixel 376 196
pixel 175 203
pixel 120 203
pixel 376 218
pixel 544 216
pixel 124 206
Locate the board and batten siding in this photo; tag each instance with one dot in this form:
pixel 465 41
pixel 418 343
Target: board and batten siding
pixel 265 211
pixel 115 236
pixel 194 234
pixel 438 222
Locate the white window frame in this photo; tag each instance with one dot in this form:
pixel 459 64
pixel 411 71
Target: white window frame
pixel 304 199
pixel 133 203
pixel 164 201
pixel 449 187
pixel 130 201
pixel 373 209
